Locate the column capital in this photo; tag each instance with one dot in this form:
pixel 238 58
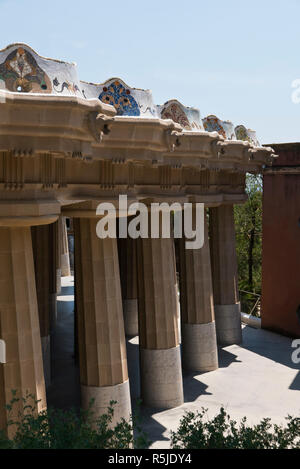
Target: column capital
pixel 21 213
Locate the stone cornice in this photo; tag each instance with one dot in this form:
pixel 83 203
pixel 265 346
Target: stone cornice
pixel 61 143
pixel 46 123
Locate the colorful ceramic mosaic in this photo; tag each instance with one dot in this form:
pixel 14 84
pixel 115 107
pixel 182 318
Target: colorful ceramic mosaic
pixel 23 70
pixel 20 72
pixel 175 112
pixel 60 87
pixel 117 95
pixel 127 101
pixel 188 118
pixel 214 124
pixel 247 135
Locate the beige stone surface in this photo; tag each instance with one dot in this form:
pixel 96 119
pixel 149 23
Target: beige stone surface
pixel 158 326
pixel 128 273
pixel 64 248
pixel 161 377
pixel 19 321
pixel 131 321
pixel 102 349
pixel 60 154
pixel 196 294
pixel 198 332
pixel 223 255
pixel 199 347
pixel 228 318
pixel 101 398
pixel 225 274
pixel 43 258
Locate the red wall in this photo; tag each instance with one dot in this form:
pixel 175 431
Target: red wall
pixel 281 243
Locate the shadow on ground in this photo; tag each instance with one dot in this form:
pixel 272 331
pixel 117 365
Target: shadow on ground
pixel 262 362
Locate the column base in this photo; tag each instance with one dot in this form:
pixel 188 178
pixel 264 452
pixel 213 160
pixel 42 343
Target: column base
pixel 46 351
pixel 199 347
pixel 161 378
pixel 228 324
pixel 102 396
pixel 130 309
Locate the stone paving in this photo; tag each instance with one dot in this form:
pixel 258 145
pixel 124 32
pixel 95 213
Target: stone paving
pixel 256 379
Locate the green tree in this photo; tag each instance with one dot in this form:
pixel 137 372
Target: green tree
pixel 248 222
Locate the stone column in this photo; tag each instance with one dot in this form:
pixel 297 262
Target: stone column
pixel 160 361
pixel 53 276
pixel 225 276
pixel 77 284
pixel 128 273
pixel 64 248
pixel 43 258
pixel 199 343
pixel 102 348
pixel 57 246
pixel 19 322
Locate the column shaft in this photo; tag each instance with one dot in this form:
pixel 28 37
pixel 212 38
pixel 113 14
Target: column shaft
pixel 102 348
pixel 57 246
pixel 43 260
pixel 225 277
pixel 161 375
pixel 19 322
pixel 128 274
pixel 64 248
pixel 199 344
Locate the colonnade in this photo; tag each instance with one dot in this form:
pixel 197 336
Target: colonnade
pixel 122 287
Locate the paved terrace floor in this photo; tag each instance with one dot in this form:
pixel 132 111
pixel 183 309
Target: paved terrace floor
pixel 256 379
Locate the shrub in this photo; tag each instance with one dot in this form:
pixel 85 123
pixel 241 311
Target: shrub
pixel 68 429
pixel 196 431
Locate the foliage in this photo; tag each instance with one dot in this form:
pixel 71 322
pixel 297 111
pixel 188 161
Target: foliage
pixel 67 429
pixel 223 433
pixel 248 222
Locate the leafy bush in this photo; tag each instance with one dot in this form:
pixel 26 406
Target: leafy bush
pixel 197 432
pixel 68 429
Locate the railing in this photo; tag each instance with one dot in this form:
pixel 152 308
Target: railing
pixel 257 301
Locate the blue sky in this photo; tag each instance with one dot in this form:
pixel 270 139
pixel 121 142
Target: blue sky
pixel 230 58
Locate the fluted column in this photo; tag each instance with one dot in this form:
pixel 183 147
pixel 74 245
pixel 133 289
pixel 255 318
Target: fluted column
pixel 102 348
pixel 53 275
pixel 19 322
pixel 161 375
pixel 128 273
pixel 225 276
pixel 43 258
pixel 64 248
pixel 57 246
pixel 199 344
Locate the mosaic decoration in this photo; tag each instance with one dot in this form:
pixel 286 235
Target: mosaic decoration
pixel 213 124
pixel 188 117
pixel 241 133
pixel 72 87
pixel 126 100
pixel 148 110
pixel 23 70
pixel 175 112
pixel 247 135
pixel 117 95
pixel 20 72
pixel 224 128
